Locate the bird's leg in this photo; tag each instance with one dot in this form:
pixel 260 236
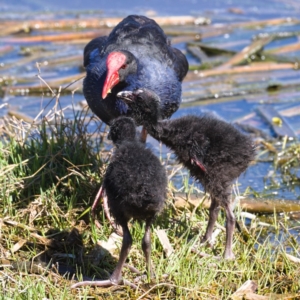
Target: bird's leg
pixel 230 224
pixel 101 193
pixel 116 228
pixel 146 246
pixel 96 200
pixel 95 204
pixel 144 134
pixel 116 277
pixel 213 215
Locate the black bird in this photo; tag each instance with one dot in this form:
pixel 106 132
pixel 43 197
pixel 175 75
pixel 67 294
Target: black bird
pixel 135 184
pixel 215 152
pixel 136 54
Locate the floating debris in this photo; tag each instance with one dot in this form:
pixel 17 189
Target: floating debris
pixel 246 54
pixel 281 128
pixel 211 51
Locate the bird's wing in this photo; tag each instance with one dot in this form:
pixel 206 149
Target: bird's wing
pixel 199 163
pixel 199 149
pixel 89 50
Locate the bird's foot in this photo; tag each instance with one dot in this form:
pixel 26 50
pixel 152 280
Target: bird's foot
pixel 104 283
pixel 97 224
pixel 144 277
pixel 140 277
pixel 229 255
pixel 117 228
pixel 205 255
pixel 133 269
pixel 207 242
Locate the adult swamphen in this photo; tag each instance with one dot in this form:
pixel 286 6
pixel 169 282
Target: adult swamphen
pixel 136 54
pixel 135 183
pixel 215 152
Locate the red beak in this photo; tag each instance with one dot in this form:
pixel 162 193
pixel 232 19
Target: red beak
pixel 114 62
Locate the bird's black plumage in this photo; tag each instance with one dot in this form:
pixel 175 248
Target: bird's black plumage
pixel 135 183
pixel 149 61
pixel 214 151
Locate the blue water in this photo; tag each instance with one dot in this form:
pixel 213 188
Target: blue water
pixel 251 8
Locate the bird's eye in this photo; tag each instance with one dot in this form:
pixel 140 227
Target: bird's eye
pixel 123 67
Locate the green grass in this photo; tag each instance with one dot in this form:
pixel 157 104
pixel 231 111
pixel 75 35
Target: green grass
pixel 49 177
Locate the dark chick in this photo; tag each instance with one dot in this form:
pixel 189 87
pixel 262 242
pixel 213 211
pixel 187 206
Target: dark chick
pixel 135 184
pixel 137 53
pixel 215 152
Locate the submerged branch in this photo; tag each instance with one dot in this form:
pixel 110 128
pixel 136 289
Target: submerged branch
pixel 92 23
pixel 248 204
pixel 57 37
pixel 254 67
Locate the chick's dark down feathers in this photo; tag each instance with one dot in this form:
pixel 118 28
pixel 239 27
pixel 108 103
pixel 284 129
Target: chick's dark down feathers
pixel 135 183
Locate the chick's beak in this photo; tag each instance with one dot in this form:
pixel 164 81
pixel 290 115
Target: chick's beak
pixel 127 96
